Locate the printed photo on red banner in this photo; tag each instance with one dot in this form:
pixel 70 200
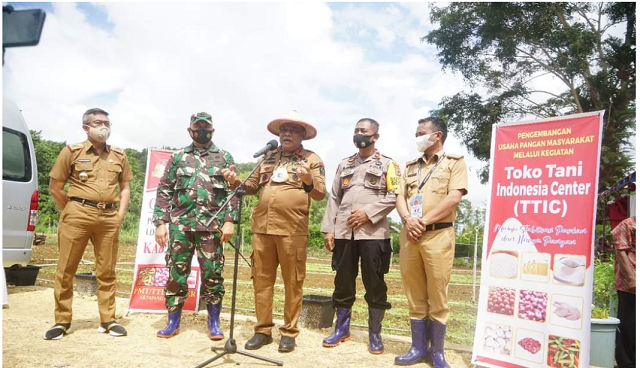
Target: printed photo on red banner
pixel 151 273
pixel 538 249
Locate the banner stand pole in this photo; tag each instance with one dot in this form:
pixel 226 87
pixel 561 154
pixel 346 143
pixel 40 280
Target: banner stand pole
pixel 230 346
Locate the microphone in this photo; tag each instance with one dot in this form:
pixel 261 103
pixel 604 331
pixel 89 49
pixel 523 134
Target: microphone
pixel 271 145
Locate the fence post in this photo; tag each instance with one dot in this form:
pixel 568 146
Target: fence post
pixel 475 263
pixel 391 262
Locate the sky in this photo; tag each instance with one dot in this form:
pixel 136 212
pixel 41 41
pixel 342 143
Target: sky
pixel 152 65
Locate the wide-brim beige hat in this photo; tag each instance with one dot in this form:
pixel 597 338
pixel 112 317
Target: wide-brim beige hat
pixel 295 118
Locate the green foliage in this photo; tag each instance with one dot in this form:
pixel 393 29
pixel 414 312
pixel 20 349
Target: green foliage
pixel 505 47
pixel 46 155
pixel 604 292
pixel 468 219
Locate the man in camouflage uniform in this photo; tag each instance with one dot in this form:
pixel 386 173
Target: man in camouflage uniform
pixel 355 227
pixel 190 192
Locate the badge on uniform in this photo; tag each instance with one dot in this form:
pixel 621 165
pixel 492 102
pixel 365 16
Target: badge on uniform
pixel 373 180
pixel 346 181
pixel 347 171
pixel 83 176
pixel 280 175
pixel 416 206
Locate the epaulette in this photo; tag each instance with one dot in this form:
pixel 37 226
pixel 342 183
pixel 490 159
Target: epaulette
pixel 74 147
pixel 385 156
pixel 117 150
pixel 411 162
pixel 454 156
pixel 352 156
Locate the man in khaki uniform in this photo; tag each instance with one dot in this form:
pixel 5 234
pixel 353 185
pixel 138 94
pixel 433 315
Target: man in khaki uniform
pixel 287 179
pixel 95 171
pixel 430 189
pixel 355 221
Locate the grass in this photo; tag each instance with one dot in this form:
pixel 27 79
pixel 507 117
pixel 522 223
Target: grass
pixel 319 281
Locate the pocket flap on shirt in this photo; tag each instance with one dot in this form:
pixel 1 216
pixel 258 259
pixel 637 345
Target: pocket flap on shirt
pixel 83 166
pixel 114 167
pixel 266 169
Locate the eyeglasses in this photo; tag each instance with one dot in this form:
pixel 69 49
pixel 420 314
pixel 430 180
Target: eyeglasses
pixel 98 123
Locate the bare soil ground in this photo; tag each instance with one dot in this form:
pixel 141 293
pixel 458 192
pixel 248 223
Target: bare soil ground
pixel 30 314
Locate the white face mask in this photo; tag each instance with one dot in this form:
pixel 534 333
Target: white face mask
pixel 423 143
pixel 100 134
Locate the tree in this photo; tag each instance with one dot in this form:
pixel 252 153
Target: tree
pixel 506 47
pixel 46 155
pixel 468 218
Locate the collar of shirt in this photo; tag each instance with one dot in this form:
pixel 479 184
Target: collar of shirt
pixel 433 158
pixel 299 151
pixel 374 155
pixel 210 148
pixel 89 147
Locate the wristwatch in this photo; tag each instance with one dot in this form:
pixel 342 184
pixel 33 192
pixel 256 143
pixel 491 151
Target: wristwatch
pixel 404 219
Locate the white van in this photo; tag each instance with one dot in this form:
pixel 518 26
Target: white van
pixel 19 187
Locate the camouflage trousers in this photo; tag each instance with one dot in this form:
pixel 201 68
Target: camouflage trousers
pixel 210 257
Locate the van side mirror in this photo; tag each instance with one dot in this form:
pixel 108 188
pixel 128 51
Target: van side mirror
pixel 21 27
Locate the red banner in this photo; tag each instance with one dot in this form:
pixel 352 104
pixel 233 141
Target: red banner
pixel 537 275
pixel 151 273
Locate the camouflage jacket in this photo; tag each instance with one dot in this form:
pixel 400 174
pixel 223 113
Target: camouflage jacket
pixel 192 189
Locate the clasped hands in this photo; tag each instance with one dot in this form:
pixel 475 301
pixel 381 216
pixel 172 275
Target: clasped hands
pixel 416 226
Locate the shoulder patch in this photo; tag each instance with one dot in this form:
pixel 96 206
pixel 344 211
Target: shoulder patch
pixel 118 150
pixel 411 162
pixel 454 156
pixel 75 147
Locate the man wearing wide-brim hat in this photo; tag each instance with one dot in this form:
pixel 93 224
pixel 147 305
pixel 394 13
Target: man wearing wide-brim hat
pixel 290 176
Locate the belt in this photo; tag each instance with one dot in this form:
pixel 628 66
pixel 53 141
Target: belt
pixel 439 225
pixel 99 205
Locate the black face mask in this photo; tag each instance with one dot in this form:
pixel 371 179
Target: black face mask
pixel 362 141
pixel 201 135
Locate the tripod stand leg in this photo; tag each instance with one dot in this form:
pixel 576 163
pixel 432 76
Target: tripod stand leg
pixel 230 346
pixel 276 362
pixel 204 364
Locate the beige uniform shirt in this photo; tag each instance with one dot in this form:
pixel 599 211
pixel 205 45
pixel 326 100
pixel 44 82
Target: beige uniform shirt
pixel 367 184
pixel 91 175
pixel 450 174
pixel 283 208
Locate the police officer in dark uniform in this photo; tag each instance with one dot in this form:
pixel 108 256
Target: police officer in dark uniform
pixel 355 226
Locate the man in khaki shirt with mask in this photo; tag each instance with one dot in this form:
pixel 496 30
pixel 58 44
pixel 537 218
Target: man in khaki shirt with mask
pixel 430 189
pixel 355 221
pixel 287 180
pixel 95 171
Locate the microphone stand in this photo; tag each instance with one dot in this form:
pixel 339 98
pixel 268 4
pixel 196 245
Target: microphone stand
pixel 230 346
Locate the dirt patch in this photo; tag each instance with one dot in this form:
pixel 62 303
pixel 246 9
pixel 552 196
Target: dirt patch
pixel 30 314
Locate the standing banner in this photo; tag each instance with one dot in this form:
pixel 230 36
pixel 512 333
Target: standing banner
pixel 537 276
pixel 151 273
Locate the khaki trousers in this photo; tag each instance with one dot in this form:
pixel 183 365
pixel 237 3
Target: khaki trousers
pixel 78 224
pixel 291 253
pixel 426 268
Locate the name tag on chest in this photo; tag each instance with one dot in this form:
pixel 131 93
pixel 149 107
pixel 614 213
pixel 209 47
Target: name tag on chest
pixel 416 206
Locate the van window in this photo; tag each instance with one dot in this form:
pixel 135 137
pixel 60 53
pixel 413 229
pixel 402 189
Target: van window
pixel 16 160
